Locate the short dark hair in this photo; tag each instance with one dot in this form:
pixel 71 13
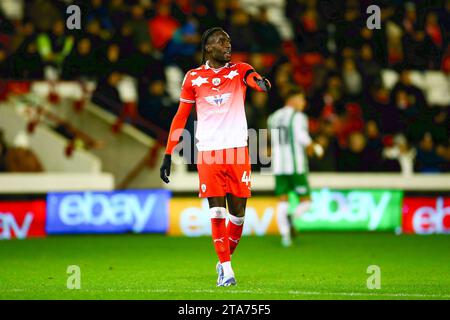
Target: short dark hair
pixel 294 90
pixel 205 38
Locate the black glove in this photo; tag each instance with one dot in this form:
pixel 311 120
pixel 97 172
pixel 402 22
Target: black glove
pixel 263 83
pixel 164 171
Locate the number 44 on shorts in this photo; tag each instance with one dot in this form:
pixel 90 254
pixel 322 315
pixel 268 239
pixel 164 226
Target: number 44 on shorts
pixel 246 178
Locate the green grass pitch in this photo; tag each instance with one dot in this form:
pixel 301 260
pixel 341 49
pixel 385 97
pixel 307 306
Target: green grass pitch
pixel 318 266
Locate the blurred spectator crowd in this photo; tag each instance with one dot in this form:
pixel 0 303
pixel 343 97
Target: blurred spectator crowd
pixel 18 157
pixel 362 125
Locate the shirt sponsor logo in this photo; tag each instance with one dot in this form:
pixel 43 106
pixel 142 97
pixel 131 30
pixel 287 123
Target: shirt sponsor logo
pixel 218 99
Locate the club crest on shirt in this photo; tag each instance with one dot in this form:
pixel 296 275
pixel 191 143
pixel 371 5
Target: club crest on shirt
pixel 216 81
pixel 218 99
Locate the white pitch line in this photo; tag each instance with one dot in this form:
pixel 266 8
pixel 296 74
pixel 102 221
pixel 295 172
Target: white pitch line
pixel 290 292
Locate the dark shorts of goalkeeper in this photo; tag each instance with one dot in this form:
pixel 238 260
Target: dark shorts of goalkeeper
pixel 296 183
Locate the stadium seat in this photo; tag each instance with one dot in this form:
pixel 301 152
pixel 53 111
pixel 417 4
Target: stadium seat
pixel 275 12
pixel 437 88
pixel 268 59
pixel 174 78
pixel 389 78
pixel 418 79
pixel 127 89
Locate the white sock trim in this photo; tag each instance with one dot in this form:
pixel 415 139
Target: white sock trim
pixel 218 213
pixel 236 220
pixel 282 218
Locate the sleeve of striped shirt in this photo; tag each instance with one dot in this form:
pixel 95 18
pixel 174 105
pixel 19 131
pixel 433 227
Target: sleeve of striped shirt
pixel 301 130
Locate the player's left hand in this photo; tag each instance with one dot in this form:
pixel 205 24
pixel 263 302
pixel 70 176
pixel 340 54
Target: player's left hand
pixel 318 150
pixel 263 83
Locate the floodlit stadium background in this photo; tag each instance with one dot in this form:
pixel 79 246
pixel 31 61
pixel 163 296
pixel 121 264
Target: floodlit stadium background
pixel 84 114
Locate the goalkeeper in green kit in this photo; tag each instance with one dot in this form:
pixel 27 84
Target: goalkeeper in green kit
pixel 290 146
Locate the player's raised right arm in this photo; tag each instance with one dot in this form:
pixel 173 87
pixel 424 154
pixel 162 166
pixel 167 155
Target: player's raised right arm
pixel 176 129
pixel 253 79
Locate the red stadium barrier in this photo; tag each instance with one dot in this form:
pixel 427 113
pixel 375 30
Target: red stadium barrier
pixel 425 215
pixel 22 219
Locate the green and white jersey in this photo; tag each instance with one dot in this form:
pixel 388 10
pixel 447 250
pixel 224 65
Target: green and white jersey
pixel 289 135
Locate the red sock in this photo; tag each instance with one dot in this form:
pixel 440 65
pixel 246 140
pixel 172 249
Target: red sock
pixel 220 238
pixel 234 234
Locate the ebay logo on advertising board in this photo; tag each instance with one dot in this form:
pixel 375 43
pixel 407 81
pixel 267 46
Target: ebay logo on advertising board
pixel 135 211
pixel 423 215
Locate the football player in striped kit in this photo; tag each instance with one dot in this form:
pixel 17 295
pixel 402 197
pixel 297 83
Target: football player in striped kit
pixel 290 146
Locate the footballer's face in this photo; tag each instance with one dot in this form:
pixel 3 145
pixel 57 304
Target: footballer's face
pixel 219 47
